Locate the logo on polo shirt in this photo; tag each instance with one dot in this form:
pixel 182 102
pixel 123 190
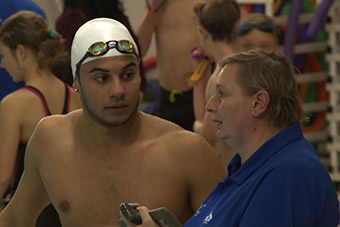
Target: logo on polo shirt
pixel 198 212
pixel 208 218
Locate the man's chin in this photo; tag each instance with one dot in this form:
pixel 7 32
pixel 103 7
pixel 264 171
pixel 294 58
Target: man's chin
pixel 220 135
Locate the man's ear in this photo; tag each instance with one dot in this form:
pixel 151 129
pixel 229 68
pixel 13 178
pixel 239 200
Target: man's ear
pixel 204 33
pixel 75 84
pixel 260 103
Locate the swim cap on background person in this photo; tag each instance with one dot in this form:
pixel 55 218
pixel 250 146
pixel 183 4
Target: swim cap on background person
pixel 98 30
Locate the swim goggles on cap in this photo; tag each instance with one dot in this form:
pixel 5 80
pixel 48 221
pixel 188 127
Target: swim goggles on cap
pixel 101 48
pixel 262 26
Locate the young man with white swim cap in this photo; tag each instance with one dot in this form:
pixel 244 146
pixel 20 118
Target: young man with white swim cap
pixel 88 162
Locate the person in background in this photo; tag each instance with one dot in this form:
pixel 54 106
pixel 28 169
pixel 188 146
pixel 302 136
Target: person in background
pixel 8 8
pixel 89 161
pixel 216 19
pixel 257 30
pixel 174 26
pixel 77 12
pixel 62 68
pixel 276 178
pixel 28 50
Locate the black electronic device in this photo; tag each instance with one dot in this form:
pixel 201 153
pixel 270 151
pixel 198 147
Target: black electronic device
pixel 162 216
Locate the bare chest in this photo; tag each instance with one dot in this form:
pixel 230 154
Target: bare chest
pixel 90 186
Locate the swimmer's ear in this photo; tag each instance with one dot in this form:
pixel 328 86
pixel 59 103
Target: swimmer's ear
pixel 75 84
pixel 20 54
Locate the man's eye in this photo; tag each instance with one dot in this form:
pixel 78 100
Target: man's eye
pixel 128 75
pixel 101 78
pixel 220 94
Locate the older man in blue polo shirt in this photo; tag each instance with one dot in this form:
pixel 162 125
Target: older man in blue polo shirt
pixel 276 178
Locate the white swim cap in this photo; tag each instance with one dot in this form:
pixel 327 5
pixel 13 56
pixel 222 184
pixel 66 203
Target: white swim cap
pixel 98 30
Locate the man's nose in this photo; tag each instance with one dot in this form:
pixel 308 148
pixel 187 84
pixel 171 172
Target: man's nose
pixel 117 88
pixel 211 104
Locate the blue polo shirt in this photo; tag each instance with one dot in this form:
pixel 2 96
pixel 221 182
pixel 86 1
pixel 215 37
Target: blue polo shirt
pixel 282 184
pixel 7 8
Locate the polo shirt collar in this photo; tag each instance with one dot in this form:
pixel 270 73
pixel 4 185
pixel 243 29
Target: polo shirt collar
pixel 238 174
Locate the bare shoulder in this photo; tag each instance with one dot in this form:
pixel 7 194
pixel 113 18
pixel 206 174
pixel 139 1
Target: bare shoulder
pixel 56 119
pixel 179 139
pixel 16 106
pixel 23 101
pixel 190 155
pixel 19 99
pixel 56 126
pixel 160 128
pixel 159 125
pixel 50 134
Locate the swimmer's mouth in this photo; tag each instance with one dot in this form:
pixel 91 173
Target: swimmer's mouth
pixel 116 107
